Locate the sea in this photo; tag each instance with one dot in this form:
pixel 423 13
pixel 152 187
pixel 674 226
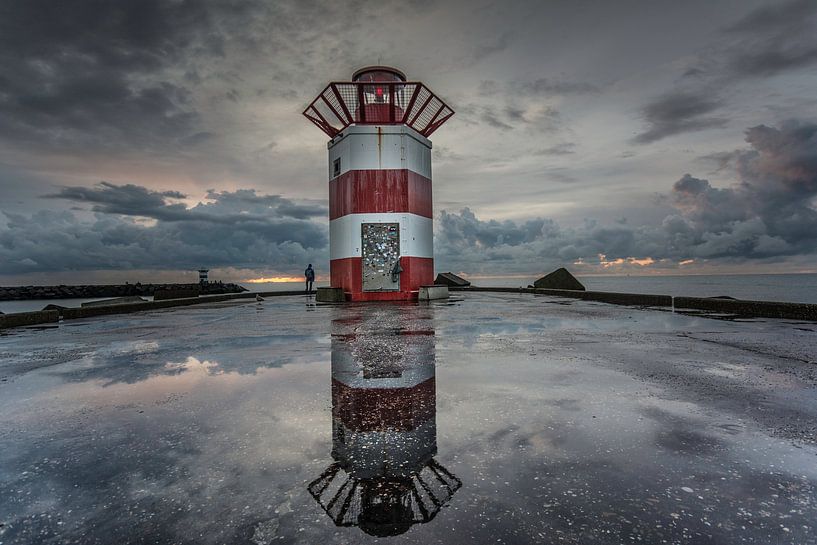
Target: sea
pixel 795 288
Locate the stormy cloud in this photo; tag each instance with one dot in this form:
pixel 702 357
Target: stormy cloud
pixel 769 41
pixel 94 73
pixel 768 212
pixel 676 113
pixel 775 39
pixel 232 229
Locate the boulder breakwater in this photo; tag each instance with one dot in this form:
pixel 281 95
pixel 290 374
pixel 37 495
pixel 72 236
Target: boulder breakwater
pixel 20 293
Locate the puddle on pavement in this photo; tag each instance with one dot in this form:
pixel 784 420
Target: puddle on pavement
pixel 473 421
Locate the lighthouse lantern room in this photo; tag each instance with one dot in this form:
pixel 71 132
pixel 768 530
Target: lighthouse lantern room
pixel 380 204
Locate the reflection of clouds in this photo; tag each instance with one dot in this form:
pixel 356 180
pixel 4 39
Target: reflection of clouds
pixel 239 354
pixel 182 452
pixel 195 365
pixel 132 348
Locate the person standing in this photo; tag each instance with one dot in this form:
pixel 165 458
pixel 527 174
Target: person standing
pixel 309 274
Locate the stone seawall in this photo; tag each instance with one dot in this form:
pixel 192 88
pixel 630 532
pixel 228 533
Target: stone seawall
pixel 714 305
pixel 47 316
pixel 614 298
pixel 19 319
pixel 19 293
pixel 760 309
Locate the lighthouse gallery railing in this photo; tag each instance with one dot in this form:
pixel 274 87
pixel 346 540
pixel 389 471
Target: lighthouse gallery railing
pixel 379 103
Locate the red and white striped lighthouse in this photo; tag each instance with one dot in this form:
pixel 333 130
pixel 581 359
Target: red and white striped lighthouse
pixel 380 204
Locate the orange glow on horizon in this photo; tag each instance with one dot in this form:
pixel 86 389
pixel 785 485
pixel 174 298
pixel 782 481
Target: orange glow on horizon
pixel 642 262
pixel 274 280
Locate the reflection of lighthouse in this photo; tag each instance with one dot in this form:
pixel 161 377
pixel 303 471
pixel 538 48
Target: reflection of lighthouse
pixel 384 438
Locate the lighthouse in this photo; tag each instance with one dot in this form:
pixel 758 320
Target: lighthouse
pixel 380 199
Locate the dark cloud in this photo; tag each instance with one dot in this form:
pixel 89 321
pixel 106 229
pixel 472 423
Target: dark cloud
pixel 490 47
pixel 520 104
pixel 721 159
pixel 768 213
pixel 544 86
pixel 769 62
pixel 131 200
pixel 539 87
pixel 766 42
pixel 84 73
pixel 238 229
pixel 769 41
pixel 558 175
pixel 678 113
pixel 240 206
pixel 494 119
pixel 198 138
pixel 779 16
pixel 513 116
pixel 514 113
pixel 564 148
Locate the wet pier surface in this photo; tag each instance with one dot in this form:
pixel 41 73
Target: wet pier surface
pixel 489 418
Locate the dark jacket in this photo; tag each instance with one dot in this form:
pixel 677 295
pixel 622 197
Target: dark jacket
pixel 309 273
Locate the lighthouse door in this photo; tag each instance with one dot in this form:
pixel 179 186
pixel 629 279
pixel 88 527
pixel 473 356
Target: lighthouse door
pixel 381 256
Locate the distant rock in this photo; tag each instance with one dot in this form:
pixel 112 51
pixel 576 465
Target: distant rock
pixel 451 279
pixel 560 279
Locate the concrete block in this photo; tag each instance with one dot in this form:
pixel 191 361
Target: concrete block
pixel 429 293
pixel 576 294
pixel 451 279
pixel 641 299
pixel 103 310
pixel 115 301
pixel 760 309
pixel 330 295
pixel 17 319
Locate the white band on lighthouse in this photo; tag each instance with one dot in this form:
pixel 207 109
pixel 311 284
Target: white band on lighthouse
pixel 387 147
pixel 416 234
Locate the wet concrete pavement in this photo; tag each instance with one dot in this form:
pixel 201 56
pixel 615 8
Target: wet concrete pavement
pixel 490 418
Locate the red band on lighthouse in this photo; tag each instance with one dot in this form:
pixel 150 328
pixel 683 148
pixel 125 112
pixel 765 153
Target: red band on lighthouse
pixel 362 191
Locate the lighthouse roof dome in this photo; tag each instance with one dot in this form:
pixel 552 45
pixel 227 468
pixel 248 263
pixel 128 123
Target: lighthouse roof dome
pixel 378 73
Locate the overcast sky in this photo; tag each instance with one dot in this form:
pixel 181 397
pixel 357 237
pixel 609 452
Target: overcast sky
pixel 140 139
